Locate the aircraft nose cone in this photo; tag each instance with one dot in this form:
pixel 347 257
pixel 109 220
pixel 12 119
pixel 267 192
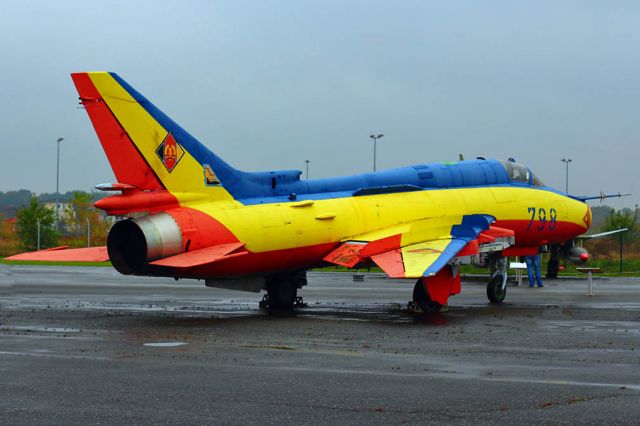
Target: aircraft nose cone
pixel 584 257
pixel 587 218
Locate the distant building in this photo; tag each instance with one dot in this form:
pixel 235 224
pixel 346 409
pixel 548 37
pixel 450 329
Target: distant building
pixel 51 205
pixel 63 213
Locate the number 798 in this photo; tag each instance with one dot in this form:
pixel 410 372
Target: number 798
pixel 543 220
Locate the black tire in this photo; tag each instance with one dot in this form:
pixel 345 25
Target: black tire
pixel 281 294
pixel 422 299
pixel 495 292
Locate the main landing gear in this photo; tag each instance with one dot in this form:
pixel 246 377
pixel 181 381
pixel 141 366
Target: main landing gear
pixel 431 293
pixel 497 286
pixel 422 299
pixel 282 291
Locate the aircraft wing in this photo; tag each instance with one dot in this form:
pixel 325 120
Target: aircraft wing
pixel 65 254
pixel 417 249
pixel 602 234
pixel 419 260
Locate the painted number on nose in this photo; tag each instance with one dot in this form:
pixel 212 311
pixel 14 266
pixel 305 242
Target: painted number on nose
pixel 543 219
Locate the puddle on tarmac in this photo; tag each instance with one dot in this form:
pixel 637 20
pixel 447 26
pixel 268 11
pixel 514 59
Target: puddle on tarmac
pixel 596 326
pixel 38 328
pixel 164 344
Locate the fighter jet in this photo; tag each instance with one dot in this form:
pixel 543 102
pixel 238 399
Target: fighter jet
pixel 186 213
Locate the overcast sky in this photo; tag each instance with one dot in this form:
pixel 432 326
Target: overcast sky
pixel 269 84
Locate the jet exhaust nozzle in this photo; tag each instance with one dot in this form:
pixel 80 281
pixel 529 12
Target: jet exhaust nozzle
pixel 133 243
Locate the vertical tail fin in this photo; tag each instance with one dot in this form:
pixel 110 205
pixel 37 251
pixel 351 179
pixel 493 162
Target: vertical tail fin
pixel 145 147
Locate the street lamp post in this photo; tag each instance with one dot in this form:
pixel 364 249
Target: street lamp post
pixel 307 161
pixel 621 241
pixel 58 182
pixel 566 181
pixel 375 140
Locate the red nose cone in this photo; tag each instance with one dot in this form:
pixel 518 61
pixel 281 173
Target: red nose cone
pixel 584 256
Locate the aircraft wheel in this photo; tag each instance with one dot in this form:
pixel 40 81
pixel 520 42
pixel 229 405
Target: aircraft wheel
pixel 281 294
pixel 495 292
pixel 422 299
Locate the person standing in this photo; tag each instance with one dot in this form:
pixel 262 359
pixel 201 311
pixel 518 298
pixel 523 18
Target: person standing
pixel 533 270
pixel 554 261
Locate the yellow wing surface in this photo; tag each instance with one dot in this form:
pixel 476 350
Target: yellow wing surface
pixel 413 250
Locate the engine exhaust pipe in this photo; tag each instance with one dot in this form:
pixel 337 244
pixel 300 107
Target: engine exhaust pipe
pixel 133 243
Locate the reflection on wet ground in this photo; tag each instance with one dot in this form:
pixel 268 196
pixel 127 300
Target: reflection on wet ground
pixel 100 347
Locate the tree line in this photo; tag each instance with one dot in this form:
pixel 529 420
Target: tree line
pixel 79 224
pixel 10 201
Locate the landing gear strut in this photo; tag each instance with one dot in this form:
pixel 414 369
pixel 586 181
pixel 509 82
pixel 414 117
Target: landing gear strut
pixel 554 261
pixel 497 286
pixel 282 292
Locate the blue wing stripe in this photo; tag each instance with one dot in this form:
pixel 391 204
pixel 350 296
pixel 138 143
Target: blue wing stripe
pixel 468 230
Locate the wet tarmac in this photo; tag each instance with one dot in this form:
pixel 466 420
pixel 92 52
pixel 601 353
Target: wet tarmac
pixel 86 345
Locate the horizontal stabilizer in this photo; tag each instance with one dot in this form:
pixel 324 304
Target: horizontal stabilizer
pixel 65 254
pixel 202 256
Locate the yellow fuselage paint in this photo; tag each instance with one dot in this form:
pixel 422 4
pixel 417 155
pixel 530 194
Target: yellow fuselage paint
pixel 417 215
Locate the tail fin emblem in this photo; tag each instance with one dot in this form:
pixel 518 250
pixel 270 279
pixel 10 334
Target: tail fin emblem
pixel 170 152
pixel 210 178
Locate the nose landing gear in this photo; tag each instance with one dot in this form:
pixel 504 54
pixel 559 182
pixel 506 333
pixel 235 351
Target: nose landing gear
pixel 496 290
pixel 497 286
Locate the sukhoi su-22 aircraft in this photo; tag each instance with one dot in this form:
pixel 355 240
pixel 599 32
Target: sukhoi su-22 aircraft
pixel 186 213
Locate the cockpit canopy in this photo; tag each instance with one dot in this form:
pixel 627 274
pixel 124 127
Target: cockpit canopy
pixel 520 173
